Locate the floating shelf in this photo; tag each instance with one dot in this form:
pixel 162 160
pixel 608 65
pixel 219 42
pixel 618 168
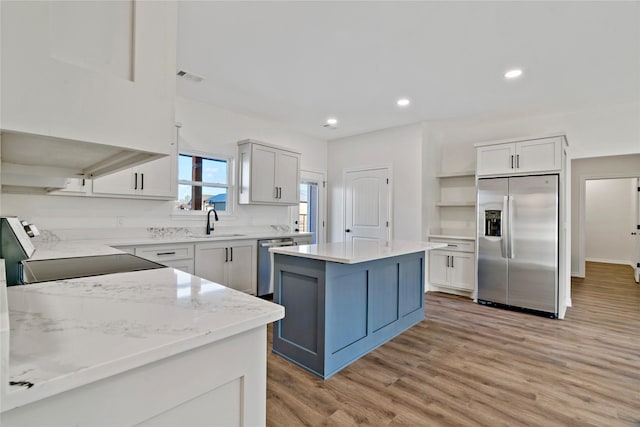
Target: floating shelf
pixel 455 174
pixel 470 204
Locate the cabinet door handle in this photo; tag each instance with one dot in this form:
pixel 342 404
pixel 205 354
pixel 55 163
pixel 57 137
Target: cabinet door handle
pixel 276 195
pixel 135 181
pixel 512 161
pixel 518 161
pixel 142 181
pixel 231 256
pixel 448 261
pixel 165 253
pixel 226 254
pixel 452 261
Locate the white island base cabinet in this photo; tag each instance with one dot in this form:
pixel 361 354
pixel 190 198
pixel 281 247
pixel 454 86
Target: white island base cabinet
pixel 222 383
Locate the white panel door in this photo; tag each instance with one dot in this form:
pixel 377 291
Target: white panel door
pixel 210 262
pixel 158 178
pixel 263 174
pixel 122 182
pixel 636 229
pixel 538 155
pixel 367 205
pixel 462 271
pixel 438 267
pixel 496 159
pixel 288 173
pixel 242 267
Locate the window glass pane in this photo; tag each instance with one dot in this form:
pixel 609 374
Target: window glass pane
pixel 185 195
pixel 214 171
pixel 214 197
pixel 184 167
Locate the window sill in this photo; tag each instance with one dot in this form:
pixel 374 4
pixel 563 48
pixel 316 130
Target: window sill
pixel 199 215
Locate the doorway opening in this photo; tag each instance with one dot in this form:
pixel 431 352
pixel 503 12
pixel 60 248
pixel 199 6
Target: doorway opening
pixel 611 219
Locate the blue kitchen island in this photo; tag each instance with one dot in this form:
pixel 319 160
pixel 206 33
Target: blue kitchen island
pixel 343 300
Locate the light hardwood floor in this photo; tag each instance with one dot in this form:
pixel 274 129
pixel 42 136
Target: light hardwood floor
pixel 467 364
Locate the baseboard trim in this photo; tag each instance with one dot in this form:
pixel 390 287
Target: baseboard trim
pixel 611 261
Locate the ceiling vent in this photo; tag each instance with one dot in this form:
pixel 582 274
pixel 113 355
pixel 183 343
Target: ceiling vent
pixel 189 76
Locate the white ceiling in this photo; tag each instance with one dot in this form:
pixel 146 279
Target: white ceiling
pixel 299 63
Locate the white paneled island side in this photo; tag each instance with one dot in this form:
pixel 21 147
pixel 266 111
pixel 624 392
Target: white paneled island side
pixel 154 347
pixel 343 300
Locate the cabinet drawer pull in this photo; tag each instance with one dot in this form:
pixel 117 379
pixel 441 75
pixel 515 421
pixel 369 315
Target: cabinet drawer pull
pixel 165 253
pixel 451 246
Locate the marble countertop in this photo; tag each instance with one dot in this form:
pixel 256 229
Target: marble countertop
pixel 68 333
pixel 355 252
pixel 57 248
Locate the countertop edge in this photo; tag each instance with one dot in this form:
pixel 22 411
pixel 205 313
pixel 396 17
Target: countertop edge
pixel 17 398
pixel 296 251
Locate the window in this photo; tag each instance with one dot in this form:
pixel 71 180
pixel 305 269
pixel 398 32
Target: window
pixel 203 183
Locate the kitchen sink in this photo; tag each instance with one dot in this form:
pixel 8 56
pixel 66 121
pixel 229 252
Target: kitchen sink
pixel 212 235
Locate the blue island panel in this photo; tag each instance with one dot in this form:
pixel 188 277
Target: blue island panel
pixel 336 313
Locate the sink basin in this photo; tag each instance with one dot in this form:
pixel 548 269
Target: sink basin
pixel 213 235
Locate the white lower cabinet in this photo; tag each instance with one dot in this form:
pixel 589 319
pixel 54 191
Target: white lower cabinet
pixel 452 267
pixel 231 263
pixel 178 256
pixel 302 240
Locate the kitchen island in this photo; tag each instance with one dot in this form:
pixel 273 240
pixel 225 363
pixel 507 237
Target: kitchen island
pixel 345 299
pixel 154 347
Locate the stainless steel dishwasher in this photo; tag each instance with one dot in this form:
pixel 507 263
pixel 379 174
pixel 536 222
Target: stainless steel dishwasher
pixel 265 284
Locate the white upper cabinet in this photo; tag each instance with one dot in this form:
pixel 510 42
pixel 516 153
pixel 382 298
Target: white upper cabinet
pixel 268 174
pixel 155 179
pixel 100 72
pixel 534 155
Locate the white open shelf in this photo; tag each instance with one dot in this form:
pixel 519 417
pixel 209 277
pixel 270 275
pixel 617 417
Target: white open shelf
pixel 455 174
pixel 452 204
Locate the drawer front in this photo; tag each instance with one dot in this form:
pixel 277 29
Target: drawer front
pixel 165 252
pixel 456 245
pixel 185 265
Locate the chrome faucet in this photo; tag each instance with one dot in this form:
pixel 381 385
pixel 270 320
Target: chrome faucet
pixel 209 223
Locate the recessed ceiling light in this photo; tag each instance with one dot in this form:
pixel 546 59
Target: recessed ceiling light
pixel 403 102
pixel 513 74
pixel 332 121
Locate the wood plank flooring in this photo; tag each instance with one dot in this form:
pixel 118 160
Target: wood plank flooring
pixel 471 365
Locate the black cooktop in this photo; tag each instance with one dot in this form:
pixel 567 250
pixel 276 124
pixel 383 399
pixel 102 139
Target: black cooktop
pixel 44 270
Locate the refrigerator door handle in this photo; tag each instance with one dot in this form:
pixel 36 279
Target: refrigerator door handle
pixel 503 243
pixel 510 227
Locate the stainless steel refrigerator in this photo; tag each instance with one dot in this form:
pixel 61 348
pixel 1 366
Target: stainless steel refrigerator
pixel 518 243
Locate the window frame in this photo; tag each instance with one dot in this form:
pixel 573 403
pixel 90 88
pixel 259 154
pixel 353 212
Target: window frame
pixel 230 186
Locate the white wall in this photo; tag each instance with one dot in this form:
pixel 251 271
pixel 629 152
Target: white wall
pixel 204 128
pixel 609 217
pixel 401 149
pixel 581 171
pixel 602 130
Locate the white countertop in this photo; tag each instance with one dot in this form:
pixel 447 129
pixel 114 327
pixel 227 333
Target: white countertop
pixel 56 248
pixel 68 333
pixel 355 252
